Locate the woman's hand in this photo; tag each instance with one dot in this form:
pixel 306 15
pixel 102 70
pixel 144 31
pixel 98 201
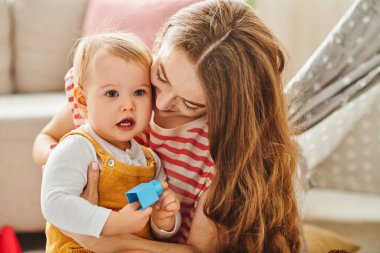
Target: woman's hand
pixel 90 191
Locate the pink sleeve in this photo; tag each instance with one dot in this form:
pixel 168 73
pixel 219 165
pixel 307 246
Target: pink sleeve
pixel 69 88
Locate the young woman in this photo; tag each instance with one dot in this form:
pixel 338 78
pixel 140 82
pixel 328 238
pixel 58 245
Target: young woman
pixel 220 128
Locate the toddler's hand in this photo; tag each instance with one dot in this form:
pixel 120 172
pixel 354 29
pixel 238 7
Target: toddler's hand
pixel 134 220
pixel 164 210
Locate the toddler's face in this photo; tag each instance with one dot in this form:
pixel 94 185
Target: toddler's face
pixel 119 99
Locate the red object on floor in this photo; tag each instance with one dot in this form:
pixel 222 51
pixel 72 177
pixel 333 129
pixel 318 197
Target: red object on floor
pixel 8 241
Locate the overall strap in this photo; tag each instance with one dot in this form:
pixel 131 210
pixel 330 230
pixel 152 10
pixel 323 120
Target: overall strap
pixel 100 151
pixel 148 155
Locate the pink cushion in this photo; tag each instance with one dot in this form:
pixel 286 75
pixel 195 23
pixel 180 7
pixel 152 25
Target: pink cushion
pixel 142 17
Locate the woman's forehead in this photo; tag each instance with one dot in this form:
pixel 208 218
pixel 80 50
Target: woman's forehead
pixel 165 50
pixel 181 73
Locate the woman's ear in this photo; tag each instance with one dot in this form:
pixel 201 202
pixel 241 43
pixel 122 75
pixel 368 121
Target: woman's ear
pixel 80 99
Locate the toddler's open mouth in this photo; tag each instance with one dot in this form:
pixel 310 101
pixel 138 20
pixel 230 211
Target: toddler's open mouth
pixel 128 122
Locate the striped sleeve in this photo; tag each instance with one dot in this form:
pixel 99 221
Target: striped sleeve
pixel 69 88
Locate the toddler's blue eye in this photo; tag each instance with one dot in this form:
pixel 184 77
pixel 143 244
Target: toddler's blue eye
pixel 139 92
pixel 112 93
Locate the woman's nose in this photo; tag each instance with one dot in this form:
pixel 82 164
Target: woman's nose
pixel 164 101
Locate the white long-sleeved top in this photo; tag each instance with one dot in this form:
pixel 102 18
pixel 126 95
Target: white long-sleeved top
pixel 65 176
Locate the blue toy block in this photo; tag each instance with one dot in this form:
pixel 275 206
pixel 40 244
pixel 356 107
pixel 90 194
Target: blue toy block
pixel 146 193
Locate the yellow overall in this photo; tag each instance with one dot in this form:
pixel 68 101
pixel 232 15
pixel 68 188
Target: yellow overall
pixel 115 179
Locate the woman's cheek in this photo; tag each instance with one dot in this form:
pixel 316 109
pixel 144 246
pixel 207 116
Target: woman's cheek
pixel 158 101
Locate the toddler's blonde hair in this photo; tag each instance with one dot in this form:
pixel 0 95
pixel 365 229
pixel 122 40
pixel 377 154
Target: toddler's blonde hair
pixel 121 44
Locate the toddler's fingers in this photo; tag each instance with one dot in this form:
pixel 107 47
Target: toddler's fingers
pixel 132 206
pixel 167 194
pixel 169 199
pixel 158 204
pixel 145 213
pixel 172 207
pixel 93 176
pixel 164 185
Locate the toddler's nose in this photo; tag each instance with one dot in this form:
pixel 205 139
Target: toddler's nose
pixel 128 106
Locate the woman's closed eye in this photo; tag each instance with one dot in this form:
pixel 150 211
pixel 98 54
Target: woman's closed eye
pixel 160 77
pixel 188 106
pixel 112 93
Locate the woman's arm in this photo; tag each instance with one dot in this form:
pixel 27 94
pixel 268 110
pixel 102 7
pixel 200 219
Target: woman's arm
pixel 130 243
pixel 105 244
pixel 59 125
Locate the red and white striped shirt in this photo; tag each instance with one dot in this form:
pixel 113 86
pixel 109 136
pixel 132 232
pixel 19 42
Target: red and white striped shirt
pixel 184 153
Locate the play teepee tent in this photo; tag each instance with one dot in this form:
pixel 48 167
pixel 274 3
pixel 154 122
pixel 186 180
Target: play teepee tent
pixel 336 95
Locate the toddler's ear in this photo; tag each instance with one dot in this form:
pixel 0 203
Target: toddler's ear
pixel 80 98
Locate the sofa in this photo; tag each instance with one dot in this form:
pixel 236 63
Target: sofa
pixel 343 172
pixel 36 38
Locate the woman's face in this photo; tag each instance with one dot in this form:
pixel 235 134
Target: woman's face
pixel 179 94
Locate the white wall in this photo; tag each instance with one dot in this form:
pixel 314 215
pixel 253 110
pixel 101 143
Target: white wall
pixel 300 25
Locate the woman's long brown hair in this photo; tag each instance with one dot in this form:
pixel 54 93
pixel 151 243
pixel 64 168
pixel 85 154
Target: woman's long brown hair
pixel 240 62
